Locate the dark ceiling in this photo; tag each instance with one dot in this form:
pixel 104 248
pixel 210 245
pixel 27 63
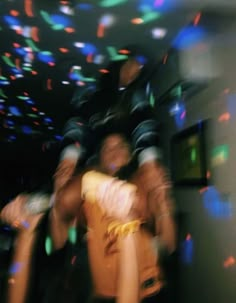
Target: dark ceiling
pixel 50 48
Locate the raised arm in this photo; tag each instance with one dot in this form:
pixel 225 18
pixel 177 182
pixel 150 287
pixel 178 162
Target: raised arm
pixel 65 210
pixel 160 202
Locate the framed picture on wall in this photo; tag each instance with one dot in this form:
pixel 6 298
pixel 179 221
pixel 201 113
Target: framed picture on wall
pixel 188 156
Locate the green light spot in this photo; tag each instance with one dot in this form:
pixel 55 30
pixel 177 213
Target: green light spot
pixel 114 56
pixel 152 100
pixel 72 235
pixel 150 16
pixel 32 45
pixel 8 61
pixel 46 17
pixel 57 27
pixel 48 245
pixel 193 155
pixel 109 3
pixel 220 154
pixel 2 94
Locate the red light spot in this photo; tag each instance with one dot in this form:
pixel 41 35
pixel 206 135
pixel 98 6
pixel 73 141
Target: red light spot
pixel 34 109
pixel 36 123
pixel 165 59
pixel 197 19
pixel 13 77
pixel 14 13
pixel 63 50
pixel 230 261
pixel 104 71
pixel 100 31
pixel 28 8
pixel 7 54
pixel 224 117
pixel 16 44
pixel 34 72
pixel 137 21
pixel 89 58
pixel 188 237
pixel 51 63
pixel 26 94
pixel 124 51
pixel 35 33
pixel 69 30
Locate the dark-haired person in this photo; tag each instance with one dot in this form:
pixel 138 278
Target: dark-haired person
pixel 152 207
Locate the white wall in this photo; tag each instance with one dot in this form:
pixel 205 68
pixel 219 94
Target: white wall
pixel 206 279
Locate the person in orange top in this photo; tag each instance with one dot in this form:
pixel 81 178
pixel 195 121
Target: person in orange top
pixel 152 206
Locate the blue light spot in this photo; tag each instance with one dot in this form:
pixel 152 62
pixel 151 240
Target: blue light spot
pixel 141 59
pixel 12 21
pixel 29 101
pixel 15 267
pixel 26 129
pixel 58 137
pixel 188 37
pixel 231 104
pixel 84 6
pixel 88 49
pixel 45 57
pixel 20 51
pixel 12 138
pixel 61 20
pixel 187 249
pixel 216 206
pixel 47 120
pixel 15 111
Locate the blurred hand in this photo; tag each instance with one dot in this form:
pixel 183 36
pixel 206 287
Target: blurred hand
pixel 117 199
pixel 15 214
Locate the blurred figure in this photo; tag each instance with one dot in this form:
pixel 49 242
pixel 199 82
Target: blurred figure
pixel 153 207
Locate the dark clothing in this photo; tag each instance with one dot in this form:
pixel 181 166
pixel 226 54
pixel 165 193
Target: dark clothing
pixel 62 276
pixel 114 109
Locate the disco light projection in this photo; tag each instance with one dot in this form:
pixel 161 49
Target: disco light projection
pixel 8 61
pixel 219 155
pixel 88 49
pixel 231 104
pixel 2 94
pixel 114 55
pixel 15 268
pixel 27 130
pixel 60 22
pixel 15 111
pixel 158 33
pixel 4 81
pixel 187 250
pixel 72 235
pixel 84 6
pixel 150 16
pixel 48 245
pixel 32 45
pixel 178 111
pixel 46 57
pixel 105 22
pixel 189 37
pixel 110 3
pixel 217 205
pixel 12 22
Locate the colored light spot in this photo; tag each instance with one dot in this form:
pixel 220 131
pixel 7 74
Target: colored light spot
pixel 110 3
pixel 137 21
pixel 220 155
pixel 72 235
pixel 48 245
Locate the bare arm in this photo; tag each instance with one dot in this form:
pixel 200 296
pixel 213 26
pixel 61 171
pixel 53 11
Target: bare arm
pixel 64 212
pixel 160 203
